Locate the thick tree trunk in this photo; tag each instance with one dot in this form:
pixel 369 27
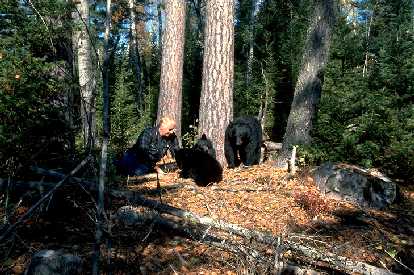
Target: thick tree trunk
pixel 86 74
pixel 216 103
pixel 170 98
pixel 135 55
pixel 309 84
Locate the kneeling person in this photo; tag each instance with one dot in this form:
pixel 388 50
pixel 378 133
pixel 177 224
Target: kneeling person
pixel 152 144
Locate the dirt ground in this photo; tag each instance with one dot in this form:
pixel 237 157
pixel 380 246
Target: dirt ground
pixel 262 198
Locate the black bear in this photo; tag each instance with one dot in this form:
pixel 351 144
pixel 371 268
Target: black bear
pixel 204 144
pixel 242 144
pixel 199 163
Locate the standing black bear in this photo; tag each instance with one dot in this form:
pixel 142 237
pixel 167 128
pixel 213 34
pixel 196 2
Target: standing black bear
pixel 242 143
pixel 199 163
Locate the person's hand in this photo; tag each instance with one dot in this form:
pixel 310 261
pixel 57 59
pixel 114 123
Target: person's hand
pixel 159 170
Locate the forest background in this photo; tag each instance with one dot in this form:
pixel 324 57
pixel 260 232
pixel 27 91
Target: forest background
pixel 365 115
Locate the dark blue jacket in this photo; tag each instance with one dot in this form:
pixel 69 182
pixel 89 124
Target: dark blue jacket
pixel 151 147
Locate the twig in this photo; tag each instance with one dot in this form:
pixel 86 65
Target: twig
pixel 181 258
pixel 246 190
pixel 44 22
pixel 398 261
pixel 309 238
pixel 151 227
pixel 175 272
pixel 159 186
pixel 7 201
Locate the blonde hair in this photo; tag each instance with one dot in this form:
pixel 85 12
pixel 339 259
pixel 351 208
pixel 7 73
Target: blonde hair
pixel 166 120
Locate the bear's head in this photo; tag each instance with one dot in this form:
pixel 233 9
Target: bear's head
pixel 205 145
pixel 240 134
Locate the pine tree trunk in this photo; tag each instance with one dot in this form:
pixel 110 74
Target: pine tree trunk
pixel 86 74
pixel 170 101
pixel 135 56
pixel 309 84
pixel 216 103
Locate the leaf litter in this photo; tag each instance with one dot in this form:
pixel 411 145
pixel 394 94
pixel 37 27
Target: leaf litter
pixel 261 198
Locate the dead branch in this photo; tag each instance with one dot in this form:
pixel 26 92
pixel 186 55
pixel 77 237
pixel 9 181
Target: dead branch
pixel 246 190
pixel 292 162
pixel 45 197
pixel 133 216
pixel 338 262
pixel 272 146
pixel 41 186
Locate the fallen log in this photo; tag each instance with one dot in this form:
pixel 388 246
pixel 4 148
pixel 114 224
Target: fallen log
pixel 41 186
pixel 335 261
pixel 342 263
pixel 133 179
pixel 133 216
pixel 272 146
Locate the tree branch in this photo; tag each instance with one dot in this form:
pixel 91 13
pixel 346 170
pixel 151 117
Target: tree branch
pixel 39 202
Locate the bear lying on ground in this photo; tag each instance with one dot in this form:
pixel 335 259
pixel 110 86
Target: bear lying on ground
pixel 199 164
pixel 243 139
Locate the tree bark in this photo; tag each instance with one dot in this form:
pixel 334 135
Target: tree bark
pixel 87 81
pixel 309 84
pixel 170 98
pixel 216 103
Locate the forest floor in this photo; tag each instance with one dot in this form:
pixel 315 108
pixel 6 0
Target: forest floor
pixel 261 198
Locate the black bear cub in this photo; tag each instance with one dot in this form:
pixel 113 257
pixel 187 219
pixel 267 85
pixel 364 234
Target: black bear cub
pixel 204 144
pixel 199 163
pixel 243 139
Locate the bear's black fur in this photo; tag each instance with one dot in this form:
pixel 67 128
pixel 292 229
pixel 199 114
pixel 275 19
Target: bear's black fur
pixel 204 144
pixel 198 165
pixel 243 139
pixel 199 162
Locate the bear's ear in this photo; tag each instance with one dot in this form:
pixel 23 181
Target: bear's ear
pixel 204 136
